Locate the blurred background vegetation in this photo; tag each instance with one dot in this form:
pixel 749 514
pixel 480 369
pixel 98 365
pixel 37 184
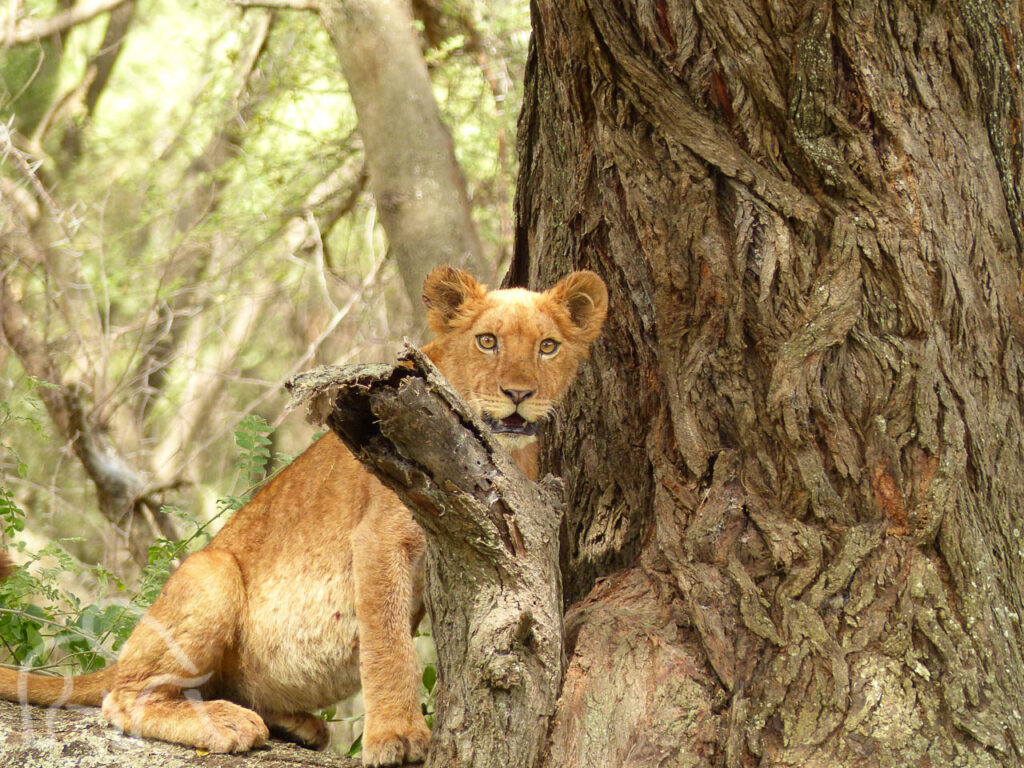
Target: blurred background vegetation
pixel 186 220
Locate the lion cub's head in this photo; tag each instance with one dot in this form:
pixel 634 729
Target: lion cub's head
pixel 512 353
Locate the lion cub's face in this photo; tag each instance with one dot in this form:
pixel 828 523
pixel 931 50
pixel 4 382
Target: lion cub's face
pixel 512 353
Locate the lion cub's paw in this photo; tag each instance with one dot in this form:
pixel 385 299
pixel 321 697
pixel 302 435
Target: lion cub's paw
pixel 231 728
pixel 391 747
pixel 302 728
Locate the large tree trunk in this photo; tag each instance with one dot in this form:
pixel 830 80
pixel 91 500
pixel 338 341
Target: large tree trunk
pixel 799 467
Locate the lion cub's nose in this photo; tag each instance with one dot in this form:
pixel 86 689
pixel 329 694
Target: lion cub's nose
pixel 518 395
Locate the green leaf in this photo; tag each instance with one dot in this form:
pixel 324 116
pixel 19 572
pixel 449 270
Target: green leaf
pixel 429 677
pixel 357 746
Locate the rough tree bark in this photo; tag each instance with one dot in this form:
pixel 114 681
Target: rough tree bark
pixel 795 473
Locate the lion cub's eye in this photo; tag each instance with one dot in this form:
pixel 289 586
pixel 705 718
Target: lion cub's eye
pixel 488 342
pixel 548 347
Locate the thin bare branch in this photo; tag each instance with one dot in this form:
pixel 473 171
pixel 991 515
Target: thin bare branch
pixel 117 485
pixel 283 5
pixel 72 289
pixel 205 387
pixel 38 29
pixel 155 351
pixel 357 298
pixel 98 70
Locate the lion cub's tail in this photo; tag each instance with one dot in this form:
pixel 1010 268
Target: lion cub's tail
pixel 83 690
pixel 18 685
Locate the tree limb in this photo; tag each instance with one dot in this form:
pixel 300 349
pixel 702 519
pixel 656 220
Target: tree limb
pixel 492 587
pixel 417 185
pixel 97 74
pixel 39 29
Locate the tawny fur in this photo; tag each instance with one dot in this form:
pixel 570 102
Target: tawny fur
pixel 313 587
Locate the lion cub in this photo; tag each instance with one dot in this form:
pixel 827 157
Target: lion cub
pixel 313 587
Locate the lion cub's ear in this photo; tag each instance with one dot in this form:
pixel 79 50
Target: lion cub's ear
pixel 585 297
pixel 445 291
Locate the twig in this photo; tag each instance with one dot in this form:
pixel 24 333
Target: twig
pixel 210 160
pixel 283 5
pixel 33 29
pixel 299 365
pixel 27 166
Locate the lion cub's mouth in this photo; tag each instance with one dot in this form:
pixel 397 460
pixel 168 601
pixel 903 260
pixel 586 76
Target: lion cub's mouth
pixel 514 424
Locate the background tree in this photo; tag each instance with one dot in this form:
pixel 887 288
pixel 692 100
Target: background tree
pixel 415 178
pixel 158 215
pixel 189 214
pixel 795 468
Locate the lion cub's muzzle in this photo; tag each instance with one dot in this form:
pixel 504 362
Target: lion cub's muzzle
pixel 514 424
pixel 518 423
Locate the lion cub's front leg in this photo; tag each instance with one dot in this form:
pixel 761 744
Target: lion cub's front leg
pixel 175 652
pixel 387 551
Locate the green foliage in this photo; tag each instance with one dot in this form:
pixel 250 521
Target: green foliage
pixel 28 82
pixel 252 436
pixel 429 694
pixel 43 624
pixel 12 517
pixel 357 747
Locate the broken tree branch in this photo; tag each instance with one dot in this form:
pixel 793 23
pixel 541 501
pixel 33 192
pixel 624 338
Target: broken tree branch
pixel 492 585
